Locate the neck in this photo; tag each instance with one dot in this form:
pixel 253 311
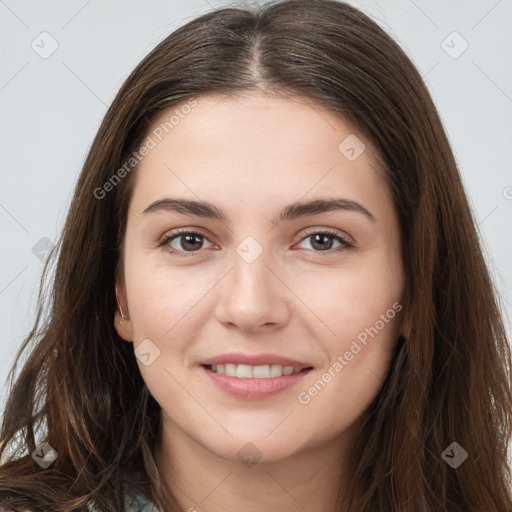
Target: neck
pixel 203 481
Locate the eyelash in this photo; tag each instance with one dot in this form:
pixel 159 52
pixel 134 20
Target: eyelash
pixel 164 242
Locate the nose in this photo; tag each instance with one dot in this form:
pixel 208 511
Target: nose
pixel 253 297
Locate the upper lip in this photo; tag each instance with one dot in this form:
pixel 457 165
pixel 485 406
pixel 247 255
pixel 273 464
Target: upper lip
pixel 255 360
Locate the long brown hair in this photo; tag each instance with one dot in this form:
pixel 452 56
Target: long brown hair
pixel 449 380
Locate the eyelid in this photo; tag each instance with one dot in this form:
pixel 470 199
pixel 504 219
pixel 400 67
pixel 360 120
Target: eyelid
pixel 328 231
pixel 181 231
pixel 176 233
pixel 346 241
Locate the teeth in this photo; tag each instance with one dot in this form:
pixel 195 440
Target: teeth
pixel 245 371
pixel 261 372
pixel 276 370
pixel 230 370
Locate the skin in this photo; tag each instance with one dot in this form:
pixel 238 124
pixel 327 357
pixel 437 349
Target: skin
pixel 251 155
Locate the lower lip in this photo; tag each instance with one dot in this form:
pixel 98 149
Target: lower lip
pixel 254 389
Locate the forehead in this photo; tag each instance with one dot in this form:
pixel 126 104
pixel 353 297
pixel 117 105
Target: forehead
pixel 254 145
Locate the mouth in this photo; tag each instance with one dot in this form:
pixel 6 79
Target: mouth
pixel 254 381
pixel 246 371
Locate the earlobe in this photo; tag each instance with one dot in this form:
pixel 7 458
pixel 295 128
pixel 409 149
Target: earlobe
pixel 122 327
pixel 405 328
pixel 122 322
pixel 404 324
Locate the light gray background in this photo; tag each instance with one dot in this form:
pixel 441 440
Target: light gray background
pixel 51 108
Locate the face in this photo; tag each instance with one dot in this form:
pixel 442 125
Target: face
pixel 254 321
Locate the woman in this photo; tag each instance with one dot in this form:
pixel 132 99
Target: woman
pixel 270 292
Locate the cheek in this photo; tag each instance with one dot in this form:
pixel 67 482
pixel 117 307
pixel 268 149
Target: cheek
pixel 359 312
pixel 162 300
pixel 346 301
pixel 345 387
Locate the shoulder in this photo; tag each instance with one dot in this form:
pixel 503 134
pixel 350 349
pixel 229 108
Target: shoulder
pixel 134 502
pixel 137 503
pixel 16 449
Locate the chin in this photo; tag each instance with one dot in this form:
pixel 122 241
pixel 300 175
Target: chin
pixel 250 450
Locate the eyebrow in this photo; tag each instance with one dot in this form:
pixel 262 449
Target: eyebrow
pixel 290 212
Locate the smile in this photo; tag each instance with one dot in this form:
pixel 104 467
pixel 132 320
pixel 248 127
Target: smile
pixel 246 371
pixel 246 382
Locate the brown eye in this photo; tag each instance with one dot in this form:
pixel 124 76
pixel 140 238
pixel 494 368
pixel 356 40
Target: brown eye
pixel 183 242
pixel 187 243
pixel 323 241
pixel 190 242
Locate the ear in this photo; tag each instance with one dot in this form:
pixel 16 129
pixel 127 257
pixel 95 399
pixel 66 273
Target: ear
pixel 405 325
pixel 121 317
